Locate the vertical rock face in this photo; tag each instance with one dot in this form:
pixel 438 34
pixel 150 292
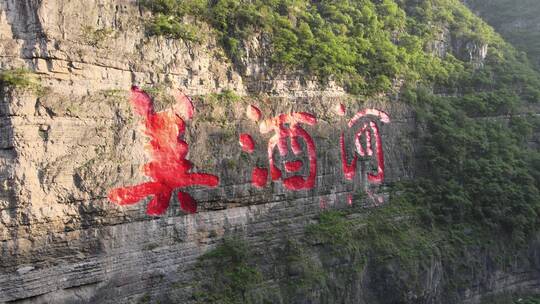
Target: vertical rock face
pixel 63 147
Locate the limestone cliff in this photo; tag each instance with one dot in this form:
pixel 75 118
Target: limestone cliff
pixel 66 144
pixel 64 148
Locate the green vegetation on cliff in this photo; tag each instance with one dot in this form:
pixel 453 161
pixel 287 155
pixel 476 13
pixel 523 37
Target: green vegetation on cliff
pixel 364 45
pixel 22 79
pixel 227 274
pixel 478 187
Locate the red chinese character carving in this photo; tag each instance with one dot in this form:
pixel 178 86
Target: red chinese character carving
pixel 349 199
pixel 286 128
pixel 247 143
pixel 169 168
pixel 368 131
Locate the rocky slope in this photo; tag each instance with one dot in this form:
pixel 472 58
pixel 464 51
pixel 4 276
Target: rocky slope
pixel 70 138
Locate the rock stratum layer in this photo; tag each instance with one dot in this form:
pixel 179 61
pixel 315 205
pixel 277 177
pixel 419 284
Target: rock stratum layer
pixel 64 148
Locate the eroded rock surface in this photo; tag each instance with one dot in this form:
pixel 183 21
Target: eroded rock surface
pixel 63 149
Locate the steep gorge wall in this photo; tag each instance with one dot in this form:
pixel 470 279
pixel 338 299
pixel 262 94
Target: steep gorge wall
pixel 63 149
